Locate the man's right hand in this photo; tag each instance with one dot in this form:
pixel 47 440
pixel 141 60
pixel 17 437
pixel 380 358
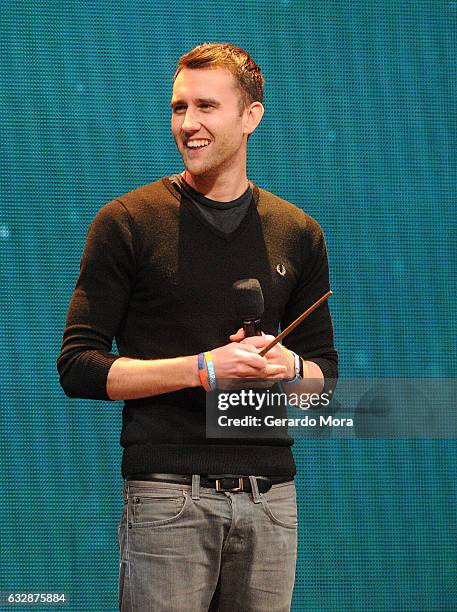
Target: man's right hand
pixel 237 360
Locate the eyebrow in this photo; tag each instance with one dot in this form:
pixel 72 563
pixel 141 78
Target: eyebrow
pixel 210 101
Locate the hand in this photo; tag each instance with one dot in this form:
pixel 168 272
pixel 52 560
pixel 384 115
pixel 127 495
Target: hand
pixel 313 379
pixel 278 355
pixel 242 360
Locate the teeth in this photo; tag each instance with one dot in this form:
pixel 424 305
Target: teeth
pixel 194 144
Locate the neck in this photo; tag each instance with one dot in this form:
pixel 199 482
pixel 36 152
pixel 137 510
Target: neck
pixel 219 188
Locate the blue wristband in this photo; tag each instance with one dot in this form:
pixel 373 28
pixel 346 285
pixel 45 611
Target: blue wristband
pixel 211 370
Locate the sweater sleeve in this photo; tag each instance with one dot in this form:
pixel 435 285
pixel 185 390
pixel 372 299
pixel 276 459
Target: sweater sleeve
pixel 98 304
pixel 313 338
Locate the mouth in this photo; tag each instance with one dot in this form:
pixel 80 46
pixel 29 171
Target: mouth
pixel 198 144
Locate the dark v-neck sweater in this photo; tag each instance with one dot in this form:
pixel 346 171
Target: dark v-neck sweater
pixel 157 277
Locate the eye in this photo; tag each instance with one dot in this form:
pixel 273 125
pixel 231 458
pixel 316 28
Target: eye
pixel 178 108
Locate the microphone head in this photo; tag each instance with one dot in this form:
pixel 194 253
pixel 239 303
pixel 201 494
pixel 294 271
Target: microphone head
pixel 248 299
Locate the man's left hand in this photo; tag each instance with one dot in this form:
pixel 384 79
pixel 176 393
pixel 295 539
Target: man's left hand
pixel 278 355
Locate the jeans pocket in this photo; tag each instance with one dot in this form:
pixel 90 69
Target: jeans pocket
pixel 149 510
pixel 121 526
pixel 281 506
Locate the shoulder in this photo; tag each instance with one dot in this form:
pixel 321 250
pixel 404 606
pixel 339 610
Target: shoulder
pixel 151 193
pixel 139 205
pixel 147 198
pixel 283 214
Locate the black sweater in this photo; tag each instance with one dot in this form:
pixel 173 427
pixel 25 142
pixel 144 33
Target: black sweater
pixel 157 277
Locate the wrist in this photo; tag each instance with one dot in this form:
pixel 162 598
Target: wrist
pixel 290 364
pixel 206 371
pixel 192 371
pixel 298 369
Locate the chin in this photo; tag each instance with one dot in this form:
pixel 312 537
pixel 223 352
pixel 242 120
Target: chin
pixel 197 170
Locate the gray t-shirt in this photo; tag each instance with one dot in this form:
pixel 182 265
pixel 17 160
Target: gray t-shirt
pixel 225 216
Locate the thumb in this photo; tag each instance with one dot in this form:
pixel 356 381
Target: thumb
pixel 238 336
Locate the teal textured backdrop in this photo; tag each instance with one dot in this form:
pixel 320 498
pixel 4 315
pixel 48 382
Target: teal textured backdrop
pixel 360 131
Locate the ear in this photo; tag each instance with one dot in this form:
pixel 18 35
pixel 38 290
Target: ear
pixel 252 116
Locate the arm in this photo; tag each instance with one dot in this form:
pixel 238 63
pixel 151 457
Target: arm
pixel 312 340
pixel 86 365
pixel 136 378
pixel 98 305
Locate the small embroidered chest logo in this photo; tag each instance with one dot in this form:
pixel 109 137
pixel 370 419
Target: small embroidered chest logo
pixel 281 269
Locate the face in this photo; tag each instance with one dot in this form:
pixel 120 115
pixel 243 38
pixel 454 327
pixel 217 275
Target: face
pixel 208 129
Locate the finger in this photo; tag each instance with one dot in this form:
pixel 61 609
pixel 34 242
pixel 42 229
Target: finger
pixel 247 357
pixel 255 361
pixel 275 353
pixel 270 371
pixel 237 336
pixel 257 341
pixel 249 347
pixel 275 371
pixel 268 337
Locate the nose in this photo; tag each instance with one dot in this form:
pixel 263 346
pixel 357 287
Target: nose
pixel 190 123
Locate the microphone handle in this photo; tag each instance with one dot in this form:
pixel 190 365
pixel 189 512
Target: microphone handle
pixel 252 328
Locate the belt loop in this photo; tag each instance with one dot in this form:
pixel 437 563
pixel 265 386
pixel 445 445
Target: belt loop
pixel 195 486
pixel 255 490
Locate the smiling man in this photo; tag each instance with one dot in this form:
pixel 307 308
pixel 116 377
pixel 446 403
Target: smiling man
pixel 207 524
pixel 211 131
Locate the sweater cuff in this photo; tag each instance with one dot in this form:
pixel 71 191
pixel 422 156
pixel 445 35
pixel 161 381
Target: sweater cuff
pixel 329 370
pixel 96 368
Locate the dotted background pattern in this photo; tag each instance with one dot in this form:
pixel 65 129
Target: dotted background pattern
pixel 360 131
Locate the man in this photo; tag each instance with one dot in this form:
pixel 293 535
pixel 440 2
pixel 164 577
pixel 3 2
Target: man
pixel 207 524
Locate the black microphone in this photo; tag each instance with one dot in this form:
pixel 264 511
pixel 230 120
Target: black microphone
pixel 249 305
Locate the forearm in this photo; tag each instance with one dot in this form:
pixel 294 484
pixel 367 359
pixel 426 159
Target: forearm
pixel 312 381
pixel 130 379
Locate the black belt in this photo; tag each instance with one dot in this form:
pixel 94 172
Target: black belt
pixel 220 482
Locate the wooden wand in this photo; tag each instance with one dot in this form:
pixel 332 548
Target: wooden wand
pixel 294 324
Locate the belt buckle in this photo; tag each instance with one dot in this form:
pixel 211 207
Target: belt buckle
pixel 234 489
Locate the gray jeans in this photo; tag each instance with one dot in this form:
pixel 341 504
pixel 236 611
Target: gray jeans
pixel 186 549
